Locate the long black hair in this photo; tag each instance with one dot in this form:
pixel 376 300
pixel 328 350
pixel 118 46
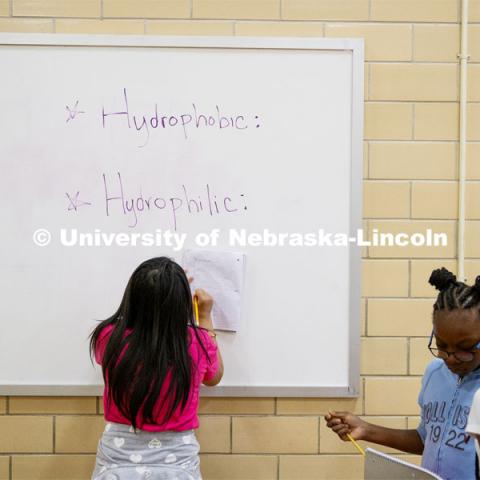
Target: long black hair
pixel 157 306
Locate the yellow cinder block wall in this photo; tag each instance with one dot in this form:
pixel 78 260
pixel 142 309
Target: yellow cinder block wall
pixel 410 173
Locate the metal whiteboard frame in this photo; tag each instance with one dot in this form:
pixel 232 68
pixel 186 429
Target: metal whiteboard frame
pixel 356 47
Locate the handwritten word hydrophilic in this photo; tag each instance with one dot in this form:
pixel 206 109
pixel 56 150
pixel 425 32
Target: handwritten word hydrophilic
pixel 186 201
pixel 192 119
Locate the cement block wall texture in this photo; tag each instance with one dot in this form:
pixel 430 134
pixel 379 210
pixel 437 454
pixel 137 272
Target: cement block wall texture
pixel 4 8
pixel 4 468
pixel 410 182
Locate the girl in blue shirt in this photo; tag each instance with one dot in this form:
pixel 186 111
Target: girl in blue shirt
pixel 448 386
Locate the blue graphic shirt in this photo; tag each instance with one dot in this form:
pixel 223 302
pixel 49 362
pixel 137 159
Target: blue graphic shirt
pixel 445 400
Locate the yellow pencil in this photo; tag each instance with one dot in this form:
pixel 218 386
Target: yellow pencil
pixel 357 446
pixel 195 306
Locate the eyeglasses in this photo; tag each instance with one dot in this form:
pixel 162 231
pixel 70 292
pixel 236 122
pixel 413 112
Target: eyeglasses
pixel 460 355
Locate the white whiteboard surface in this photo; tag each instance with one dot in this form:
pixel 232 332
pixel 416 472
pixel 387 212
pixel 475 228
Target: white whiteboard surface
pixel 288 161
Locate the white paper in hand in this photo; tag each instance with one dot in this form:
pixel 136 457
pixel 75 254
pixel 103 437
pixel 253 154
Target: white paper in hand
pixel 221 274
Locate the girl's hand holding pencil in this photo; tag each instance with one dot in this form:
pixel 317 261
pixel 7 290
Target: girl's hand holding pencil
pixel 202 304
pixel 347 426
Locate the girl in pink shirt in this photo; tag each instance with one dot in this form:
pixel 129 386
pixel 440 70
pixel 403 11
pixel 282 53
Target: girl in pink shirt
pixel 154 360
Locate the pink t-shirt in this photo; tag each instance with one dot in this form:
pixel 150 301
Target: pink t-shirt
pixel 203 368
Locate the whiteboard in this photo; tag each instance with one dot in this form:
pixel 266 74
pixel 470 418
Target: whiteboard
pixel 122 139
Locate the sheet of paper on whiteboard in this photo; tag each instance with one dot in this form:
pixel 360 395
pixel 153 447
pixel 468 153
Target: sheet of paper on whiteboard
pixel 221 274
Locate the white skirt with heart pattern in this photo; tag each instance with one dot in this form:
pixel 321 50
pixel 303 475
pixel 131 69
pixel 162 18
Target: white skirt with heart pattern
pixel 123 454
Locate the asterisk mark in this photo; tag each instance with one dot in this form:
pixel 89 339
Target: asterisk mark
pixel 73 112
pixel 75 202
